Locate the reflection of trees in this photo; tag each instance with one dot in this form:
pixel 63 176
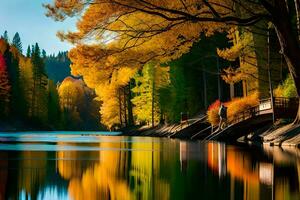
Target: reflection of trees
pixel 120 174
pixel 32 172
pixel 240 167
pixel 29 173
pixel 263 179
pixel 102 180
pixel 97 183
pixel 286 171
pixel 3 174
pixel 144 174
pixel 216 158
pixel 72 163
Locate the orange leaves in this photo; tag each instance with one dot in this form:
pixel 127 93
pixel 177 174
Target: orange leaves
pixel 234 108
pixel 3 46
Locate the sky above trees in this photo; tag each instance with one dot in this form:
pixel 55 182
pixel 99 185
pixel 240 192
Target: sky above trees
pixel 28 18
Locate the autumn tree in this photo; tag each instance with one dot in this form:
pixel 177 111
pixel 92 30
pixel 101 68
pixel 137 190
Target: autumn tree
pixel 138 24
pixel 77 103
pixel 146 100
pixel 111 94
pixel 4 88
pixel 244 62
pixel 26 78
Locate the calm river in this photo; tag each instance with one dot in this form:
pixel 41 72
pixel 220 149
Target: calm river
pixel 75 165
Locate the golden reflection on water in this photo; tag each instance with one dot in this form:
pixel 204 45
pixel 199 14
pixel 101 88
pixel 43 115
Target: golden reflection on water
pixel 277 177
pixel 152 169
pixel 108 177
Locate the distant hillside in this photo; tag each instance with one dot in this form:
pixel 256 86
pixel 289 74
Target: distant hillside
pixel 58 67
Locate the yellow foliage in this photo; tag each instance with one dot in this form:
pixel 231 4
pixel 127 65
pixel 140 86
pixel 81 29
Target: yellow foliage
pixel 232 75
pixel 71 93
pixel 109 96
pixel 234 108
pixel 286 89
pixel 213 116
pixel 240 46
pixel 242 49
pixel 152 78
pixel 26 78
pixel 112 35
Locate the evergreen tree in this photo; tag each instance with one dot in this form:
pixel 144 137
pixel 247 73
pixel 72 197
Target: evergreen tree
pixel 44 54
pixel 53 105
pixel 58 67
pixel 40 81
pixel 16 98
pixel 28 53
pixel 17 42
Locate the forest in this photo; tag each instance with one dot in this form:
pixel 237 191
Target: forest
pixel 146 68
pixel 148 61
pixel 38 93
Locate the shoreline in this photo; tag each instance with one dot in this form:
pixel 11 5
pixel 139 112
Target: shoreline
pixel 270 136
pixel 274 135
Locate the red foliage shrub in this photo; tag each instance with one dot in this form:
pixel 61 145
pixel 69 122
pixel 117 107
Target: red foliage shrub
pixel 214 105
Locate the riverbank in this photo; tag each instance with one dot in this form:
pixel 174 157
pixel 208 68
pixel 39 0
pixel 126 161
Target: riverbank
pixel 281 134
pixel 186 130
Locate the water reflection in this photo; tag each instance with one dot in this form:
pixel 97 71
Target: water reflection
pixel 147 168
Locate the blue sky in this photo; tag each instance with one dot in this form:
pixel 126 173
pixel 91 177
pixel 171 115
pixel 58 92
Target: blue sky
pixel 28 18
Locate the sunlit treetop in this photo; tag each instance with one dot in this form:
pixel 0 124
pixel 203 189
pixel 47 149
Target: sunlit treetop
pixel 146 29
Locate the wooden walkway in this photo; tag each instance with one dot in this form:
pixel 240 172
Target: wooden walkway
pixel 256 117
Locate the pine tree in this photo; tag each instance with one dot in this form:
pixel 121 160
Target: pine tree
pixel 28 53
pixel 17 42
pixel 44 54
pixel 40 82
pixel 16 97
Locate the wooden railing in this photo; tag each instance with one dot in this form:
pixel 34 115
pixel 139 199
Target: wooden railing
pixel 283 107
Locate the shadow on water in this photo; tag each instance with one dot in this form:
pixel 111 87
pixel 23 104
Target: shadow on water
pixel 143 168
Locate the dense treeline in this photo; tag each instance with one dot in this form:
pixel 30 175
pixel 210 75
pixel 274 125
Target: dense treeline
pixel 58 66
pixel 29 98
pixel 159 93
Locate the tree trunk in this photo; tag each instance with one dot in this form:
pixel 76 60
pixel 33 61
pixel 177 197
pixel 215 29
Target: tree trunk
pixel 120 107
pixel 297 8
pixel 125 106
pixel 231 90
pixel 205 89
pixel 289 46
pixel 129 107
pixel 152 104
